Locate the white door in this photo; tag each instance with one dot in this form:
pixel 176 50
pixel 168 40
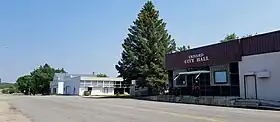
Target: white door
pixel 250 83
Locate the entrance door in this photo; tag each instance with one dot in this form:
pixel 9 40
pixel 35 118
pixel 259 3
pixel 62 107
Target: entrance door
pixel 195 85
pixel 54 90
pixel 250 87
pixel 91 90
pixel 67 90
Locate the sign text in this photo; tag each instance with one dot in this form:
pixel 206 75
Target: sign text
pixel 196 58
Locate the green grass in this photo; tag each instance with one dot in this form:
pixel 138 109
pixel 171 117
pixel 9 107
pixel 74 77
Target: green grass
pixel 5 85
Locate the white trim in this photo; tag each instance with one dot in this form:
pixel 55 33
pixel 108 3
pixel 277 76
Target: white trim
pixel 249 73
pixel 101 79
pixel 192 72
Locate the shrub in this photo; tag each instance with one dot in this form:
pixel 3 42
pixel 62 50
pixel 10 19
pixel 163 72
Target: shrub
pixel 11 90
pixel 86 93
pixel 5 91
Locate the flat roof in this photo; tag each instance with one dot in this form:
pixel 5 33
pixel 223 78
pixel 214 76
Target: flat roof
pixel 94 78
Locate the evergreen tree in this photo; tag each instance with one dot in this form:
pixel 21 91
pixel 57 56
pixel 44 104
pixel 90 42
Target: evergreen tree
pixel 145 49
pixel 126 67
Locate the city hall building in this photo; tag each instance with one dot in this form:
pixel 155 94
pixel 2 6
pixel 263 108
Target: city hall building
pixel 247 67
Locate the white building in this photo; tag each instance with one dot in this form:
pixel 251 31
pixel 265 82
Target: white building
pixel 260 76
pixel 72 84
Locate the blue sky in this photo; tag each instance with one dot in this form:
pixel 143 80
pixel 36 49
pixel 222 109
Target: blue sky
pixel 86 36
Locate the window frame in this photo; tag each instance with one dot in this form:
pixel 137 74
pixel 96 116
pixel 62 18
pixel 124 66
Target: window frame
pixel 227 80
pixel 185 77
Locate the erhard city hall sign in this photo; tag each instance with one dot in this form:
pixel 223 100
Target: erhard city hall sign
pixel 196 58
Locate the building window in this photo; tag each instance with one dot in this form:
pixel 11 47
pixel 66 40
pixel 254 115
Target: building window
pixel 106 90
pixel 87 82
pixel 112 83
pixel 220 77
pixel 181 80
pixel 99 83
pixel 94 83
pixel 106 83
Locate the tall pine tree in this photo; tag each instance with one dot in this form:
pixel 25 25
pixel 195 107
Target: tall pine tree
pixel 145 48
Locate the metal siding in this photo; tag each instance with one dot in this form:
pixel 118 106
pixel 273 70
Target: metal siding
pixel 259 44
pixel 223 53
pixel 220 53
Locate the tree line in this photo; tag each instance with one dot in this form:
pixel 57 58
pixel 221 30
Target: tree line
pixel 233 36
pixel 37 81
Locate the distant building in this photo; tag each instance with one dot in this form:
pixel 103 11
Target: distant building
pixel 77 84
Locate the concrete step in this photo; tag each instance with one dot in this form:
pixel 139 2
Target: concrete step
pixel 270 103
pixel 265 104
pixel 247 103
pixel 270 108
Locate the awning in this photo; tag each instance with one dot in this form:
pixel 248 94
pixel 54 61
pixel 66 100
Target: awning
pixel 192 72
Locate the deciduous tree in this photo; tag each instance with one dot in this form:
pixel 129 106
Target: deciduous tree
pixel 230 37
pixel 24 84
pixel 183 48
pixel 38 82
pixel 101 75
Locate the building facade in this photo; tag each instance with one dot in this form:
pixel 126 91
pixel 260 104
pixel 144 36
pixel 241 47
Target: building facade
pixel 245 67
pixel 72 84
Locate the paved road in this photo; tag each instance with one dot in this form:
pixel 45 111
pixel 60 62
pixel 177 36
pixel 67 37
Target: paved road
pixel 77 109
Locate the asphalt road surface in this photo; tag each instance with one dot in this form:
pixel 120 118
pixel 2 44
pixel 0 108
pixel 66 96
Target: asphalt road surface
pixel 77 109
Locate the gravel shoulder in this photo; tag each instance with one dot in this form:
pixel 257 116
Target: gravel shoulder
pixel 9 113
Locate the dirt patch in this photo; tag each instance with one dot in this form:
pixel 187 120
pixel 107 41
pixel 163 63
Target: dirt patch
pixel 9 113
